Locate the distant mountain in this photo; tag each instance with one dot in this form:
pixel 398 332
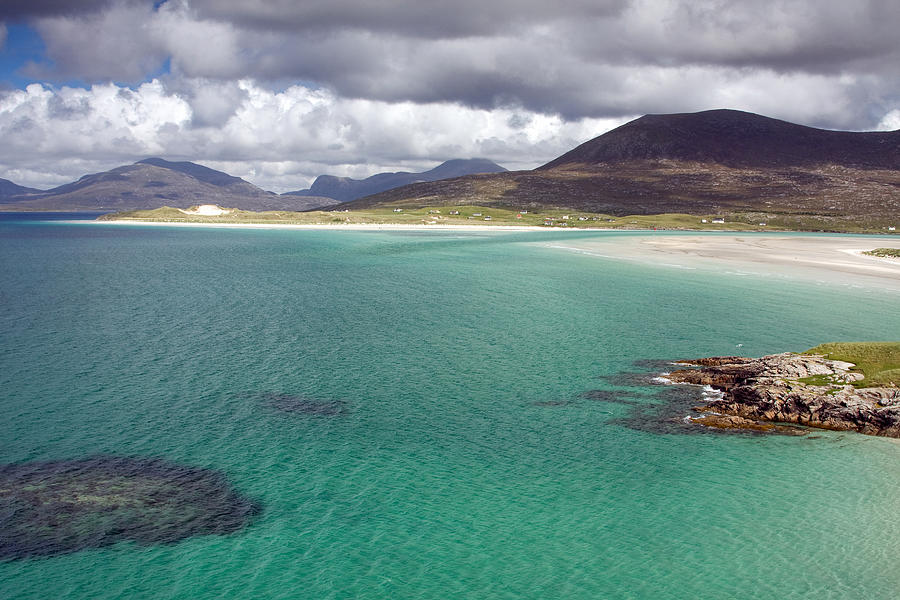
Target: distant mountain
pixel 736 139
pixel 199 172
pixel 155 182
pixel 344 189
pixel 8 188
pixel 696 163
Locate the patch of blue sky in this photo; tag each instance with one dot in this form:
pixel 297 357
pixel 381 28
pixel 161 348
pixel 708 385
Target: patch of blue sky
pixel 164 69
pixel 23 45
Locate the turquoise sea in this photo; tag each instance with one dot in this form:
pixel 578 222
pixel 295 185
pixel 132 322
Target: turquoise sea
pixel 431 415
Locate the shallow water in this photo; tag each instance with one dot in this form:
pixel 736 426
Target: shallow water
pixel 455 429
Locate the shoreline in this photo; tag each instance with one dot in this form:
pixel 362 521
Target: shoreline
pixel 486 227
pixel 350 226
pixel 825 258
pixel 819 259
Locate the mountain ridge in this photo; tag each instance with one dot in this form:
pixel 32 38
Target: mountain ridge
pixel 154 182
pixel 710 162
pixel 9 189
pixel 345 189
pixel 736 139
pixel 204 174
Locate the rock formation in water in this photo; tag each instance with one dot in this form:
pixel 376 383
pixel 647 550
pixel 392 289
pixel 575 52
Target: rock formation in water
pixel 804 389
pixel 57 507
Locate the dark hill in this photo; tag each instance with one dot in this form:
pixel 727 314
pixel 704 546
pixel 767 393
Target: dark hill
pixel 712 162
pixel 198 172
pixel 735 139
pixel 155 182
pixel 8 188
pixel 459 167
pixel 344 189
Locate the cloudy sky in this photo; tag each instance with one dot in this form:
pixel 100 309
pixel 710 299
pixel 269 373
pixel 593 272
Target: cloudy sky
pixel 279 91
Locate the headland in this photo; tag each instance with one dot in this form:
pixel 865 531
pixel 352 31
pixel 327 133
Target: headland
pixel 838 386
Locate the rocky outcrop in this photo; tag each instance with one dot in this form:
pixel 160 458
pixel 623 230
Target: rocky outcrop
pixel 804 389
pixel 719 421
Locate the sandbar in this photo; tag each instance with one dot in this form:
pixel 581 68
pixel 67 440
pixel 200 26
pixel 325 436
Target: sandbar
pixel 827 259
pixel 342 226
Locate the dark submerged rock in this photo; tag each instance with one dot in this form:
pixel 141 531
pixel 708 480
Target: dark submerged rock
pixel 656 407
pixel 666 411
pixel 552 403
pixel 58 507
pixel 615 396
pixel 630 379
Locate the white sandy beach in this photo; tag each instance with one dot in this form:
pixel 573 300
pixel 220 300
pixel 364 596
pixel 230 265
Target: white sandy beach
pixel 824 259
pixel 820 258
pixel 344 226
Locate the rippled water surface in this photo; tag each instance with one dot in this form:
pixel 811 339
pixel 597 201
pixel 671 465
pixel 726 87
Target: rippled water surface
pixel 424 415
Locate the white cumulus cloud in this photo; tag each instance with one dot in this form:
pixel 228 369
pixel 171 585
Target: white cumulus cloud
pixel 577 58
pixel 890 121
pixel 279 140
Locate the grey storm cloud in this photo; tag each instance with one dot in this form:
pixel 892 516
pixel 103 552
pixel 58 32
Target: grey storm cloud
pixel 279 91
pixel 15 10
pixel 783 35
pixel 821 35
pixel 422 19
pixel 576 58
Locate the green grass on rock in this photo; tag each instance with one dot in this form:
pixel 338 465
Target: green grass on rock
pixel 879 362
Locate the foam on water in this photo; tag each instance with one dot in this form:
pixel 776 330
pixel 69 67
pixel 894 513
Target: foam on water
pixel 710 393
pixel 662 379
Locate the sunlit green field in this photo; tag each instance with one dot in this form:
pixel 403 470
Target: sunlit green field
pixel 878 361
pixel 488 216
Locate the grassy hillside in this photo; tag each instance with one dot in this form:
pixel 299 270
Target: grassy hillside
pixel 478 215
pixel 724 162
pixel 879 362
pixel 808 199
pixel 475 214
